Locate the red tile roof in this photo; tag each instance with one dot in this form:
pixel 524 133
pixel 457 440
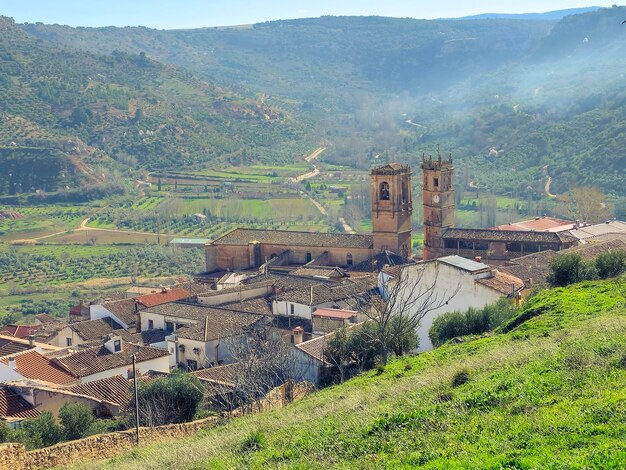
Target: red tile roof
pixel 33 365
pixel 541 224
pixel 334 313
pixel 19 331
pixel 163 297
pixel 503 282
pixel 14 407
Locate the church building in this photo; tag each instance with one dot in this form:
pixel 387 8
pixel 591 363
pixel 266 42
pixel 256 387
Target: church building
pixel 392 208
pixel 492 245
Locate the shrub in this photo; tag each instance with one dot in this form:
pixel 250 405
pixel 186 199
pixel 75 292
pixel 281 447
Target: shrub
pixel 611 264
pixel 471 322
pixel 570 268
pixel 172 399
pixel 39 432
pixel 460 378
pixel 76 419
pixel 253 441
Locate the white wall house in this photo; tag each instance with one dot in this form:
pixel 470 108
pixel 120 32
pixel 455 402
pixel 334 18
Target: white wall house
pixel 449 283
pixel 294 309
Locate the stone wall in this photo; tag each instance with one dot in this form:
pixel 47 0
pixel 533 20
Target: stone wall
pixel 103 446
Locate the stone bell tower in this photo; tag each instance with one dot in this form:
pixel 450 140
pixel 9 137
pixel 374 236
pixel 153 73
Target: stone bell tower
pixel 438 203
pixel 392 208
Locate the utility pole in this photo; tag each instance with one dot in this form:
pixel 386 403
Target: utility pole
pixel 136 400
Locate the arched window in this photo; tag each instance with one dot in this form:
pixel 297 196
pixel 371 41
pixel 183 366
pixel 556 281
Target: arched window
pixel 405 192
pixel 308 257
pixel 349 259
pixel 384 191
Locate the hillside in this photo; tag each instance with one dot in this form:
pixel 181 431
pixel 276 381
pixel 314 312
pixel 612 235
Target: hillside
pixel 548 394
pixel 77 116
pixel 514 100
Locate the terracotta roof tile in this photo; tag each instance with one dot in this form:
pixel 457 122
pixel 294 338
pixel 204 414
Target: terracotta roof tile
pixel 14 407
pixel 112 389
pixel 507 235
pixel 334 313
pixel 225 375
pixel 18 331
pixel 124 309
pixel 502 282
pixel 320 294
pixel 95 329
pixel 541 224
pixel 7 346
pixel 242 236
pixel 99 359
pixel 259 306
pixel 33 365
pixel 45 318
pixel 163 297
pixel 219 324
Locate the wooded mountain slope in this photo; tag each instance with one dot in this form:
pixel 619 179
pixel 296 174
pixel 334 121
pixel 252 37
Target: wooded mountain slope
pixel 513 100
pixel 66 112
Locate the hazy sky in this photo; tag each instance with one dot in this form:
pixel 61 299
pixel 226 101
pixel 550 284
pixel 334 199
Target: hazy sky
pixel 172 14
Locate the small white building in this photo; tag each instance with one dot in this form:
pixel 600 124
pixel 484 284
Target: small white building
pixel 447 284
pixel 303 302
pixel 199 336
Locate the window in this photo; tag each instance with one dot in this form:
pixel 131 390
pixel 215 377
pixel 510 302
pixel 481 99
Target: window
pixel 349 259
pixel 292 309
pixel 117 345
pixel 405 192
pixel 169 326
pixel 436 182
pixel 384 191
pixel 451 244
pixel 179 326
pixel 309 257
pixel 192 365
pixel 151 324
pixel 68 341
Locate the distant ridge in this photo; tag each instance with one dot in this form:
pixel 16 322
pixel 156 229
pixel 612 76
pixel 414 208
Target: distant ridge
pixel 555 15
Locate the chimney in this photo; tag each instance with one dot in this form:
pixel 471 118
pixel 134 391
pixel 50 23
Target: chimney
pixel 577 223
pixel 298 333
pixel 12 363
pixel 31 341
pixel 478 259
pixel 206 328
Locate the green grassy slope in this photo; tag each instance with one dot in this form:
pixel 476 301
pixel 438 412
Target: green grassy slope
pixel 550 393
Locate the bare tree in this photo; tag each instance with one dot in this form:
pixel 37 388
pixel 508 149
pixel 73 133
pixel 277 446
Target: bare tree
pixel 587 204
pixel 405 299
pixel 262 362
